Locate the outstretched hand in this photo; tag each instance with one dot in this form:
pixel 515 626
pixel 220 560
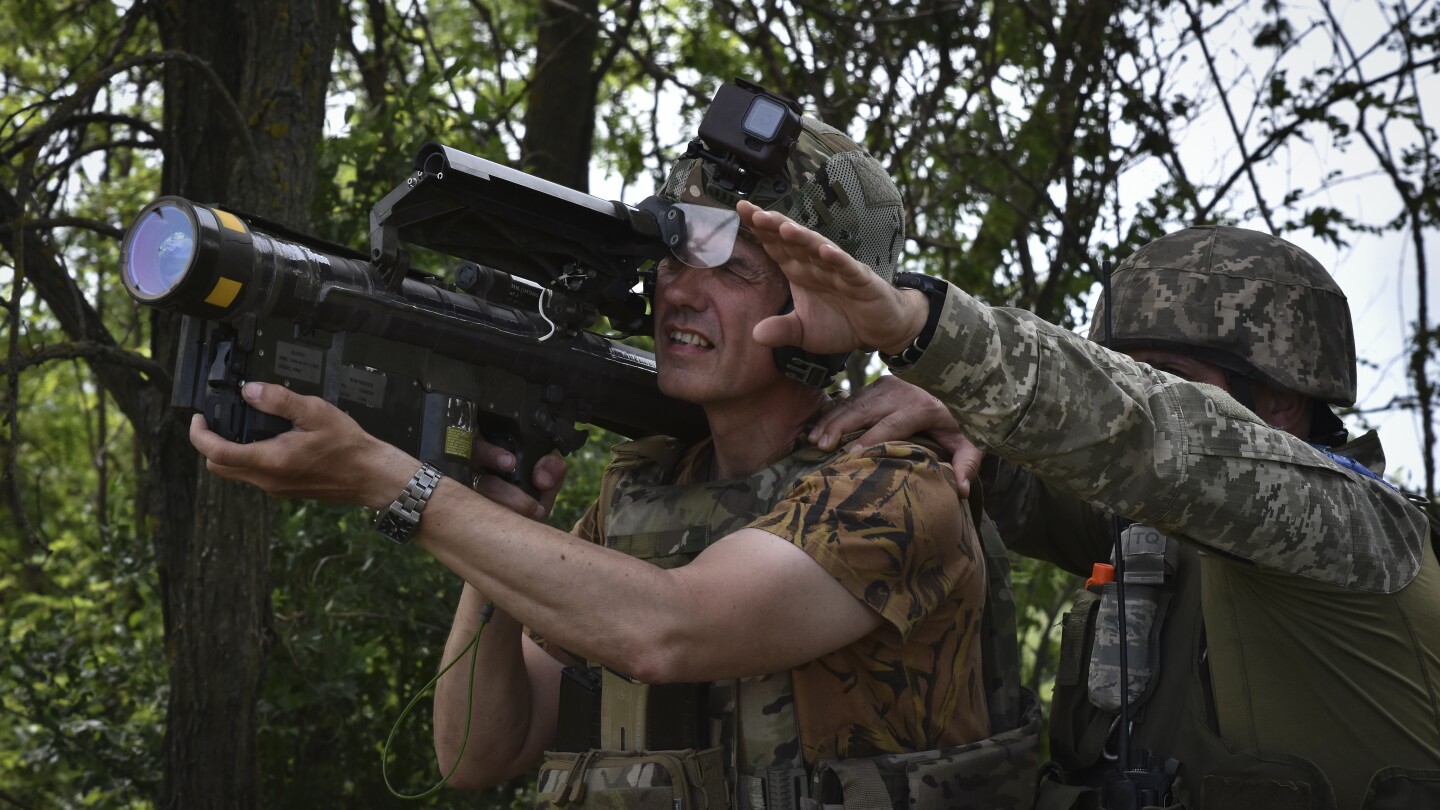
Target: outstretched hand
pixel 891 409
pixel 325 456
pixel 840 303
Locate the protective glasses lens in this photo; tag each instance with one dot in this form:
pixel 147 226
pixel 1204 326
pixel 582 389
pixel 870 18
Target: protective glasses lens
pixel 709 235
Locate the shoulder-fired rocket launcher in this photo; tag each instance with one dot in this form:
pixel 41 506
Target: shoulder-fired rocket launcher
pixel 420 361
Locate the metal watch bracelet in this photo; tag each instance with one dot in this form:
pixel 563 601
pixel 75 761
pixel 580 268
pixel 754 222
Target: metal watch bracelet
pixel 399 520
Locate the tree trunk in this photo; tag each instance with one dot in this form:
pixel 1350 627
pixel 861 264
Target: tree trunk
pixel 560 111
pixel 211 536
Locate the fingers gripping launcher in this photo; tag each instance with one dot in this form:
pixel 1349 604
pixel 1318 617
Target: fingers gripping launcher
pixel 416 360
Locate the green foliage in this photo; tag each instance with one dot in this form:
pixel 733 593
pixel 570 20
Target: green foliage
pixel 1042 595
pixel 82 695
pixel 83 685
pixel 360 626
pixel 83 691
pixel 413 74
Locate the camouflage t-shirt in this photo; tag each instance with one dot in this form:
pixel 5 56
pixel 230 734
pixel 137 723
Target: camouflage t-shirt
pixel 887 524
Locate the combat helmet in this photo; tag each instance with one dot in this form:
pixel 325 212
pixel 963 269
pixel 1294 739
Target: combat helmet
pixel 1243 300
pixel 829 184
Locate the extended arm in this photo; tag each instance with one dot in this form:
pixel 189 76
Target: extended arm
pixel 752 603
pixel 1182 457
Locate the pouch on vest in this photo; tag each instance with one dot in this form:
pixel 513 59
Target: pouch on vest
pixel 996 773
pixel 578 726
pixel 769 767
pixel 1142 604
pixel 1403 789
pixel 1086 699
pixel 636 716
pixel 625 780
pixel 600 708
pixel 1145 560
pixel 1272 781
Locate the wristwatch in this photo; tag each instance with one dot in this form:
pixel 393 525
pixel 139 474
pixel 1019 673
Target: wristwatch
pixel 935 291
pixel 398 521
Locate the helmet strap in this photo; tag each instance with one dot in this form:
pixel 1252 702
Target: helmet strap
pixel 814 370
pixel 1325 427
pixel 1240 388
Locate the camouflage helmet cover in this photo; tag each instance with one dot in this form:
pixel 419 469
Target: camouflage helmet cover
pixel 1242 299
pixel 832 187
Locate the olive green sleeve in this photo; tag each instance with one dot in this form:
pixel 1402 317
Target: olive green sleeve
pixel 1182 457
pixel 1037 520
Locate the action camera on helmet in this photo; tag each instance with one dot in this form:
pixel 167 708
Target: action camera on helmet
pixel 747 134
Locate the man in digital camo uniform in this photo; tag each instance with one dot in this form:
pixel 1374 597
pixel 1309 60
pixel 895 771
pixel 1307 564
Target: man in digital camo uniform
pixel 1295 655
pixel 854 582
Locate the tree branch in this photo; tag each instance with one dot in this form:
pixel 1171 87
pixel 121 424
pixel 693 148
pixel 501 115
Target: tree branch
pixel 102 228
pixel 85 350
pixel 66 107
pixel 1340 91
pixel 1247 164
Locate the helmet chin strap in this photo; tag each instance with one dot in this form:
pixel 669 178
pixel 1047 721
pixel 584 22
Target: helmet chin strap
pixel 1240 388
pixel 1325 427
pixel 814 370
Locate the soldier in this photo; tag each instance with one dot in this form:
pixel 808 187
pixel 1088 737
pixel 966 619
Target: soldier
pixel 1285 652
pixel 751 610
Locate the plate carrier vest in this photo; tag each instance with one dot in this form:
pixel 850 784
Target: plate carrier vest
pixel 754 718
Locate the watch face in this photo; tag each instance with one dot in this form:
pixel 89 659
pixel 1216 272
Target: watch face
pixel 394 526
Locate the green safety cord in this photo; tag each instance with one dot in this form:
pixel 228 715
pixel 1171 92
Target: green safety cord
pixel 473 648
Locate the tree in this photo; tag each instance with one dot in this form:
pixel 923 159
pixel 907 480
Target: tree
pixel 239 124
pixel 214 560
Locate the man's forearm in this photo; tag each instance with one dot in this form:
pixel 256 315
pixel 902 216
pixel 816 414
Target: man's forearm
pixel 752 603
pixel 568 588
pixel 510 706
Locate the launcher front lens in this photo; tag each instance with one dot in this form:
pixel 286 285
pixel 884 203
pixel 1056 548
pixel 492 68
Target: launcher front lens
pixel 159 252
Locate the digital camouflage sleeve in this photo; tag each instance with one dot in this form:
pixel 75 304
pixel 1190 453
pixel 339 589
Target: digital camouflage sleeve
pixel 1180 456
